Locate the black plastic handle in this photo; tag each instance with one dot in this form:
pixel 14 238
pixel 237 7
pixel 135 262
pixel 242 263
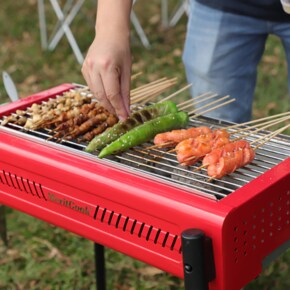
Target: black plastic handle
pixel 193 250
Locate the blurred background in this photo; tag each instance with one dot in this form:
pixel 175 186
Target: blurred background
pixel 41 256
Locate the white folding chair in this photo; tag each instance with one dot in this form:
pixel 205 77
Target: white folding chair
pixel 65 16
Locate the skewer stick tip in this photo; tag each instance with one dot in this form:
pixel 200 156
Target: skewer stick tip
pixel 211 179
pixel 172 150
pixel 200 167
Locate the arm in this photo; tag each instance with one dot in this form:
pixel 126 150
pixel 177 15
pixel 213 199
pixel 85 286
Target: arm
pixel 107 66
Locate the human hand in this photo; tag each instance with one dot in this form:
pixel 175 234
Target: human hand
pixel 107 71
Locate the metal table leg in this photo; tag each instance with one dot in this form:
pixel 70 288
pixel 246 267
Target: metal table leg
pixel 100 266
pixel 3 228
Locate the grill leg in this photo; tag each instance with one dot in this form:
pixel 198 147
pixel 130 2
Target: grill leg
pixel 100 266
pixel 3 228
pixel 194 260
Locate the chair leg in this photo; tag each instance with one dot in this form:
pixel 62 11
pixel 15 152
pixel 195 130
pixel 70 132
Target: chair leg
pixel 178 13
pixel 139 29
pixel 42 24
pixel 3 227
pixel 100 266
pixel 164 14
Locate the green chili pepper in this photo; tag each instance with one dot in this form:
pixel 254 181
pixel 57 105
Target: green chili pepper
pixel 146 132
pixel 136 119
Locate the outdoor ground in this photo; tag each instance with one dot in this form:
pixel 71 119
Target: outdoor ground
pixel 41 256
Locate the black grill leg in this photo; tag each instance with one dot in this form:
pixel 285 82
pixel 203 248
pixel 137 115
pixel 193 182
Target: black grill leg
pixel 100 266
pixel 3 228
pixel 194 260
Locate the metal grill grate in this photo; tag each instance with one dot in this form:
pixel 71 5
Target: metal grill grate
pixel 157 163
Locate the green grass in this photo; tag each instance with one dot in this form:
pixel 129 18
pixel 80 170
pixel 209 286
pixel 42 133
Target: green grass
pixel 41 256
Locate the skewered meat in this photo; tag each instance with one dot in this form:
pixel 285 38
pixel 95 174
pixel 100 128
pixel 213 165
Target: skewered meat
pixel 75 112
pixel 214 155
pixel 64 128
pixel 83 116
pixel 53 116
pixel 111 121
pixel 18 118
pixel 76 121
pixel 9 119
pixel 191 150
pixel 69 116
pixel 86 126
pixel 227 159
pixel 96 131
pixel 170 139
pixel 43 113
pixel 34 116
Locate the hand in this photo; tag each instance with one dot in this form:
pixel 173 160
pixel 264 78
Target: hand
pixel 107 71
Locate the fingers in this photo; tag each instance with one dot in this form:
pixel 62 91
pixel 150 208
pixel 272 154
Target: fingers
pixel 95 84
pixel 112 85
pixel 125 88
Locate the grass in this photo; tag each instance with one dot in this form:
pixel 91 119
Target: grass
pixel 41 256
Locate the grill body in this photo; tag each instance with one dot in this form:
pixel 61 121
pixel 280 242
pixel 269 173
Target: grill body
pixel 138 215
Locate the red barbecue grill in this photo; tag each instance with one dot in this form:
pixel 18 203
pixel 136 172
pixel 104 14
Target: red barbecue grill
pixel 215 235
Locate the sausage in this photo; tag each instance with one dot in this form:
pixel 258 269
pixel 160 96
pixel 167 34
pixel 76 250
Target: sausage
pixel 192 150
pixel 170 139
pixel 229 158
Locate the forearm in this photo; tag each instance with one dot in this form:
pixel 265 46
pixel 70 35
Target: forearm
pixel 113 15
pixel 107 66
